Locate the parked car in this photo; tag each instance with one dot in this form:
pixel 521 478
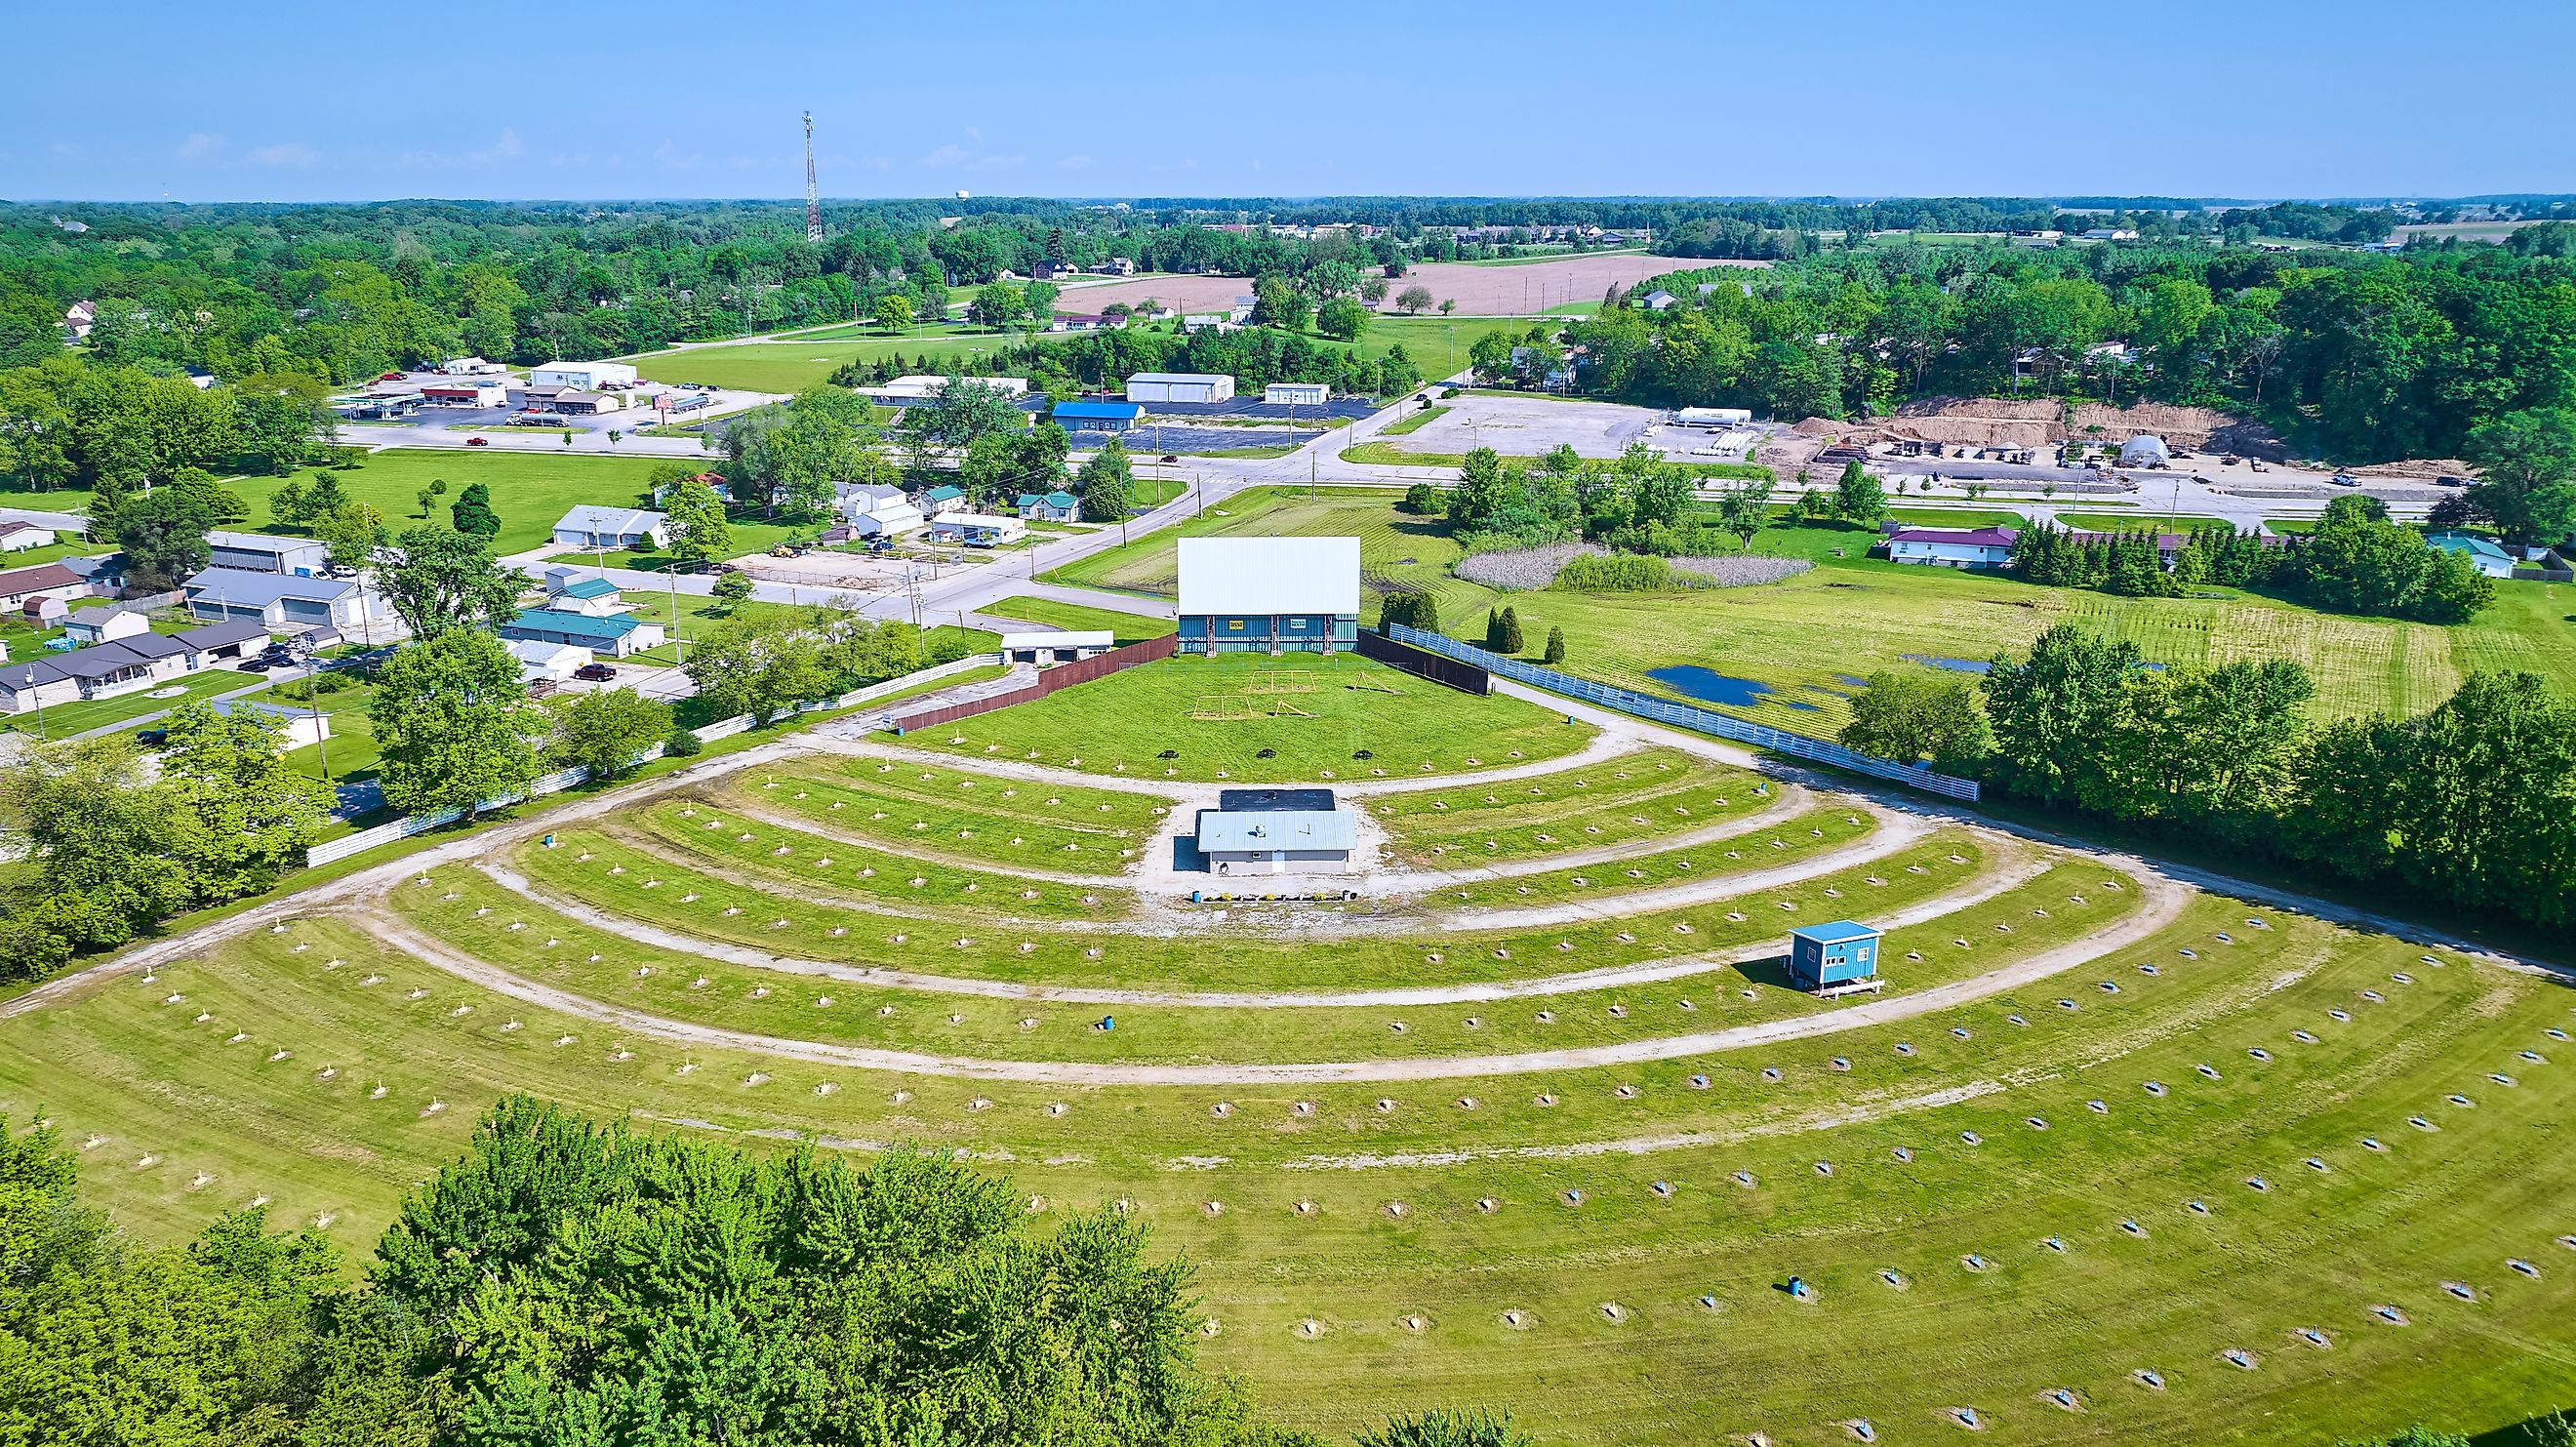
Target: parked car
pixel 595 672
pixel 2450 480
pixel 478 441
pixel 2346 479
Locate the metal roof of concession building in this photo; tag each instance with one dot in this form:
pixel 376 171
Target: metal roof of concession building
pixel 1222 832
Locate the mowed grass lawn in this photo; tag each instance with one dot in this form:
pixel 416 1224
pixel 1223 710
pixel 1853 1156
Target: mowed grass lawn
pixel 530 490
pixel 329 1074
pixel 1076 618
pixel 1806 638
pixel 1125 722
pixel 795 365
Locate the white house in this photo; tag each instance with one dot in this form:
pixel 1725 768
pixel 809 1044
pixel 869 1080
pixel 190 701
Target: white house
pixel 300 728
pixel 594 526
pixel 583 591
pixel 582 376
pixel 1952 547
pixel 266 553
pixel 2483 553
pixel 104 625
pixel 1180 387
pixel 541 661
pixel 44 580
pixel 18 537
pixel 876 510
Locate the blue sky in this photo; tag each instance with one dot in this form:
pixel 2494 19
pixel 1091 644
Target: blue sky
pixel 2256 98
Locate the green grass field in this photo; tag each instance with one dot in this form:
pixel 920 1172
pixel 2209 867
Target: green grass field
pixel 1808 637
pixel 530 490
pixel 1074 617
pixel 61 721
pixel 1125 722
pixel 797 364
pixel 2046 1191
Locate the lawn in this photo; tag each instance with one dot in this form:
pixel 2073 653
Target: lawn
pixel 1125 722
pixel 1357 1247
pixel 1076 618
pixel 1413 421
pixel 60 721
pixel 1808 638
pixel 1630 799
pixel 530 490
pixel 794 366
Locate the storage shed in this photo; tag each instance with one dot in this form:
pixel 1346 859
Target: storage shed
pixel 1841 953
pixel 1180 387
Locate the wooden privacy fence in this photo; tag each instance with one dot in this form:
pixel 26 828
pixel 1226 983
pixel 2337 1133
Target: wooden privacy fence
pixel 1437 667
pixel 1063 675
pixel 1682 715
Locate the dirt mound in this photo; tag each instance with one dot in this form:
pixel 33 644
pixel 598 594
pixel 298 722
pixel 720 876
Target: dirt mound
pixel 2421 469
pixel 2000 409
pixel 2194 429
pixel 1820 427
pixel 1979 431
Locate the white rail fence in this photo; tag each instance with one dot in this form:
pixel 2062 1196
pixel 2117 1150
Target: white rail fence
pixel 1682 715
pixel 554 783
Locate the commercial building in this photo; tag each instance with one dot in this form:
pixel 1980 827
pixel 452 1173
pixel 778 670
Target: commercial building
pixel 1097 416
pixel 1180 387
pixel 977 529
pixel 615 636
pixel 582 376
pixel 1840 953
pixel 267 553
pixel 877 510
pixel 1269 595
pixel 283 601
pixel 1952 547
pixel 465 392
pixel 1276 831
pixel 1048 649
pixel 923 388
pixel 615 528
pixel 1298 394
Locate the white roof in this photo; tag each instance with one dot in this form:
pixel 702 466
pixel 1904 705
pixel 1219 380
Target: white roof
pixel 616 521
pixel 542 654
pixel 1059 639
pixel 1179 377
pixel 978 520
pixel 1270 575
pixel 1227 831
pixel 258 542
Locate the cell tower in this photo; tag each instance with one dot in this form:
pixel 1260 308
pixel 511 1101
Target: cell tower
pixel 813 207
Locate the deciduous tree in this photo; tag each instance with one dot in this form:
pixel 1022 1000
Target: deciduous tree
pixel 453 725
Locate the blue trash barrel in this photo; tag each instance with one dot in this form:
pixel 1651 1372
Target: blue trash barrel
pixel 1108 1022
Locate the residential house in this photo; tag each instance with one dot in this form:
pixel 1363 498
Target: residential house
pixel 267 553
pixel 618 636
pixel 45 580
pixel 298 728
pixel 584 591
pixel 1658 299
pixel 1114 266
pixel 1050 507
pixel 104 625
pixel 1952 547
pixel 218 641
pixel 283 602
pixel 614 529
pixel 715 480
pixel 18 537
pixel 108 670
pixel 541 662
pixel 2483 553
pixel 876 509
pixel 946 498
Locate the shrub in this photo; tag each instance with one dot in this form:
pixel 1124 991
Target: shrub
pixel 683 744
pixel 1424 499
pixel 1512 641
pixel 1615 573
pixel 1413 610
pixel 1555 647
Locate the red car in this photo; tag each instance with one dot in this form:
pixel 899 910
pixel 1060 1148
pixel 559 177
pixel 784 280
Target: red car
pixel 595 672
pixel 478 441
pixel 391 377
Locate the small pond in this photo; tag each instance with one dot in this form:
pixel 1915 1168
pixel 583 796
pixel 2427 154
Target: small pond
pixel 1709 686
pixel 1954 665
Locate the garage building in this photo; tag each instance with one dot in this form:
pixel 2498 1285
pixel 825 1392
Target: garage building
pixel 1269 595
pixel 1276 831
pixel 1180 387
pixel 1298 394
pixel 582 376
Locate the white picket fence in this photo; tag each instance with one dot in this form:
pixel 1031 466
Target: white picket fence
pixel 562 779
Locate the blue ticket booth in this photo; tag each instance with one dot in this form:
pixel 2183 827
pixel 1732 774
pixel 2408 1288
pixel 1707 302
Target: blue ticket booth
pixel 1825 955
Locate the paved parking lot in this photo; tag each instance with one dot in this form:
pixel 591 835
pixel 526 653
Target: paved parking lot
pixel 1183 439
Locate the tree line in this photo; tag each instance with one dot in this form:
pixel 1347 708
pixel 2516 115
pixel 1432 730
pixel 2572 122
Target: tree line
pixel 2471 804
pixel 568 1283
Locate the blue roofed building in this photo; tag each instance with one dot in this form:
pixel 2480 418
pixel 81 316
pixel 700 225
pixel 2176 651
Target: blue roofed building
pixel 1097 416
pixel 1837 955
pixel 1050 507
pixel 2483 553
pixel 618 635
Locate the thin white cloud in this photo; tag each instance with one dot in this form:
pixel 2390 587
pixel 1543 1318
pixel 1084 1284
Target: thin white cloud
pixel 285 153
pixel 1074 163
pixel 671 159
pixel 505 147
pixel 950 155
pixel 200 146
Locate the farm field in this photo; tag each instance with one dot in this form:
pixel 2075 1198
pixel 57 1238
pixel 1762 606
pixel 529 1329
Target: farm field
pixel 1519 286
pixel 1559 1152
pixel 1808 639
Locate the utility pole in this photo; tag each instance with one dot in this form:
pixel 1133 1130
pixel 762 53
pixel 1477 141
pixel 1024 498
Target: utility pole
pixel 321 728
pixel 813 205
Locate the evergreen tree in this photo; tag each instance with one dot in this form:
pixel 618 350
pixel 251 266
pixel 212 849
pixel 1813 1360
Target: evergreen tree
pixel 1512 642
pixel 1555 647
